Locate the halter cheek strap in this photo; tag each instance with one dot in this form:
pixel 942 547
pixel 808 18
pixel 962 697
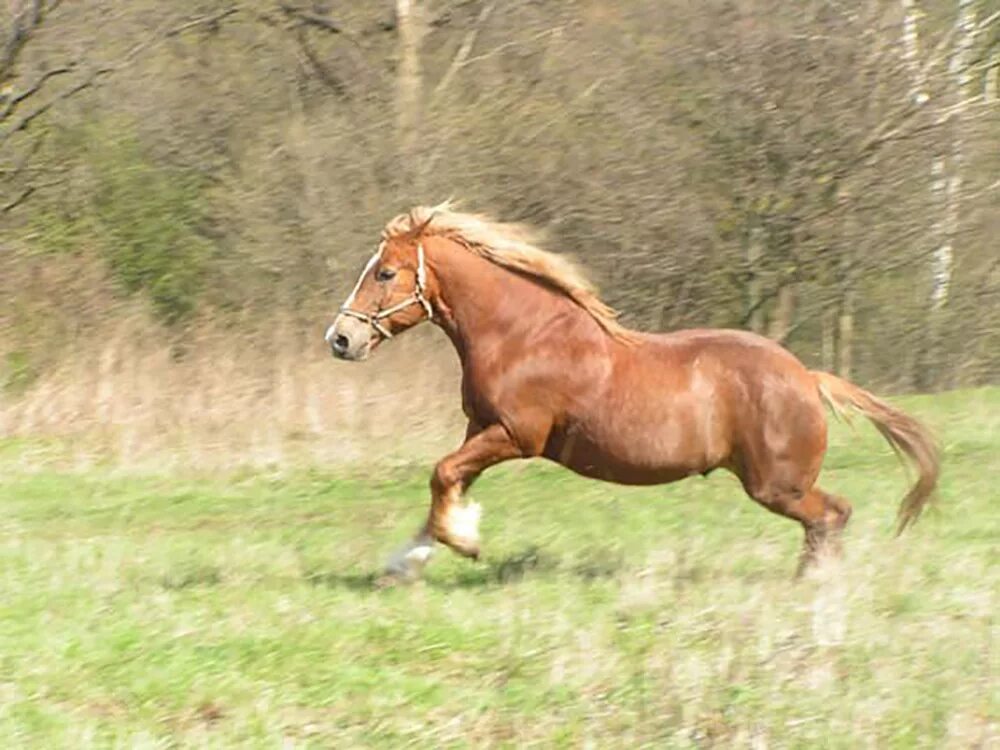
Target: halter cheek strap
pixel 417 298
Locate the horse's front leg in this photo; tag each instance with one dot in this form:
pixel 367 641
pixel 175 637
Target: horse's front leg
pixel 450 522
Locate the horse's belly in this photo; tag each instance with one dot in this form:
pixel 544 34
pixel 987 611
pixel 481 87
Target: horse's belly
pixel 621 473
pixel 650 462
pixel 658 423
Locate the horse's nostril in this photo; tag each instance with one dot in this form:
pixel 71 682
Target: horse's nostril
pixel 340 344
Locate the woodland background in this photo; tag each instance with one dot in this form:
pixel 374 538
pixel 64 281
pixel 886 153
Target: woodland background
pixel 188 189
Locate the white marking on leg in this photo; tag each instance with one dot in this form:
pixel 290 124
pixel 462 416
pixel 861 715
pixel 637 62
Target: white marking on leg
pixel 411 558
pixel 462 523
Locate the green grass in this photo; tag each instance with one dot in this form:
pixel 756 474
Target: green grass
pixel 239 611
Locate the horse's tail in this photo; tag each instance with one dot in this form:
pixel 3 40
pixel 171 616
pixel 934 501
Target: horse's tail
pixel 906 435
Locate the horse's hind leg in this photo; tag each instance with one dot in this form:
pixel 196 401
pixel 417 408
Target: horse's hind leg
pixel 824 529
pixel 823 517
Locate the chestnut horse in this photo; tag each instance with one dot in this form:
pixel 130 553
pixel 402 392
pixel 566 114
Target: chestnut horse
pixel 547 371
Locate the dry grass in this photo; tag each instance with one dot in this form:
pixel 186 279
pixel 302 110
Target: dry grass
pixel 238 397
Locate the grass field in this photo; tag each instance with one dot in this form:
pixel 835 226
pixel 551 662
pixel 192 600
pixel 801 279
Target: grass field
pixel 209 611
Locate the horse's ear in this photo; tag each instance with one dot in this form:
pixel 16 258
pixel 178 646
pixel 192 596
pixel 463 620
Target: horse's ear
pixel 419 230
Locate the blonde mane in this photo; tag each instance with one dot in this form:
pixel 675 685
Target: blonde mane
pixel 513 246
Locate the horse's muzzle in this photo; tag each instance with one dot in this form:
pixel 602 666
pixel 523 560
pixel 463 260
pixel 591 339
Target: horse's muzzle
pixel 340 346
pixel 349 339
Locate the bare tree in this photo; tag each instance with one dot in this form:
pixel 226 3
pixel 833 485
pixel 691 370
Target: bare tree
pixel 410 24
pixel 25 100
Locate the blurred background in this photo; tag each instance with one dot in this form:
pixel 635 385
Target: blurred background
pixel 189 189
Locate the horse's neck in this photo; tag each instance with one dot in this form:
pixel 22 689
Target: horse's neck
pixel 485 304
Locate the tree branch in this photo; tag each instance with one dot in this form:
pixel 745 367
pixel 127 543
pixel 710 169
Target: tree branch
pixel 464 50
pixel 24 25
pixel 27 193
pixel 12 102
pixel 29 118
pixel 11 205
pixel 514 43
pixel 311 19
pixel 96 74
pixel 303 18
pixel 25 160
pixel 326 75
pixel 209 20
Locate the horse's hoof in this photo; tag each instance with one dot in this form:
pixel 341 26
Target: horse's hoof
pixel 468 549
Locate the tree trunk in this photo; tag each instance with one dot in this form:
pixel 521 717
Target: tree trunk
pixel 946 170
pixel 409 87
pixel 911 51
pixel 947 186
pixel 784 314
pixel 829 343
pixel 991 81
pixel 845 331
pixel 950 172
pixel 754 253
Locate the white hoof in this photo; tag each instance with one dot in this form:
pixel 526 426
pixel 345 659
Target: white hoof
pixel 409 560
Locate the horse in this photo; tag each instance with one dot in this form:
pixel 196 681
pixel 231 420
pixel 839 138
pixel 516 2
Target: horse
pixel 548 371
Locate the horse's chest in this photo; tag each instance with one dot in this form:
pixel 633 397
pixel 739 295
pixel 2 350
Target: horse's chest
pixel 474 402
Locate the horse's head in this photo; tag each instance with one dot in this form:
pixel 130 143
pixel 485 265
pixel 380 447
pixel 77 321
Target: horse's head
pixel 390 296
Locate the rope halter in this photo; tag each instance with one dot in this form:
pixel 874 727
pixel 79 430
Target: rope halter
pixel 417 298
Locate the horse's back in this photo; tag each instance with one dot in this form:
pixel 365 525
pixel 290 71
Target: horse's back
pixel 690 401
pixel 759 375
pixel 716 341
pixel 774 416
pixel 740 359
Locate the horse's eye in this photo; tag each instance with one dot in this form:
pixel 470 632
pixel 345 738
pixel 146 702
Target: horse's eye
pixel 385 274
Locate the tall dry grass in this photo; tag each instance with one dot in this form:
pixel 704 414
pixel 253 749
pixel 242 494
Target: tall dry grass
pixel 228 396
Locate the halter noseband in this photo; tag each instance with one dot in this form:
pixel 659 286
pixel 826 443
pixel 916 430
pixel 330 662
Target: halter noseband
pixel 417 298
